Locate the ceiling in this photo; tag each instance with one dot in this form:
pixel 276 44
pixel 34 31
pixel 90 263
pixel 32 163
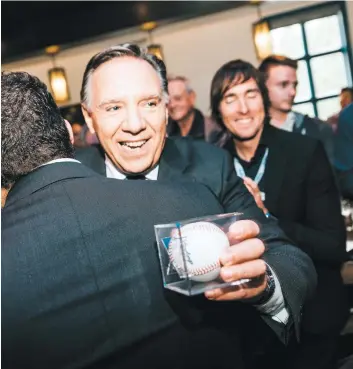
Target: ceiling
pixel 29 26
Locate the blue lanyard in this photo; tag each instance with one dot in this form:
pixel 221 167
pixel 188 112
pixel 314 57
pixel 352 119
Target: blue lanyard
pixel 241 173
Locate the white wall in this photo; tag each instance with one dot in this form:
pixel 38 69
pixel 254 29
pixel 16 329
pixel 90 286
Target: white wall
pixel 195 48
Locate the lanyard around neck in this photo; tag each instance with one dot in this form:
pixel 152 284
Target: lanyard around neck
pixel 241 172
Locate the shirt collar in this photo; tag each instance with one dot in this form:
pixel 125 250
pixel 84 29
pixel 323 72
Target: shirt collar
pixel 62 160
pixel 113 172
pixel 289 123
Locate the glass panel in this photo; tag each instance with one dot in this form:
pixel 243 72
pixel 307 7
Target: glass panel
pixel 303 89
pixel 323 34
pixel 305 108
pixel 288 41
pixel 329 74
pixel 328 107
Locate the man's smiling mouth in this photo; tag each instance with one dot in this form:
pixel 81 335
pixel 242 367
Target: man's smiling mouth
pixel 133 144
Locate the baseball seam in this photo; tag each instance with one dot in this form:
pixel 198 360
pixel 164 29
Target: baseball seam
pixel 194 271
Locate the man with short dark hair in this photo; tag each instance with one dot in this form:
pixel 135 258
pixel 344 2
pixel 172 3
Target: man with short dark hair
pixel 291 179
pixel 184 118
pixel 281 82
pixel 346 98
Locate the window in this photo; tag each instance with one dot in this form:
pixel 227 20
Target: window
pixel 316 37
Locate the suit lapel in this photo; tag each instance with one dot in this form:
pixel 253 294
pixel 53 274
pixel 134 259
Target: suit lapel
pixel 175 159
pixel 275 165
pixel 98 161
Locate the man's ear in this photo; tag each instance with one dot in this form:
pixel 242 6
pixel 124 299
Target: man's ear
pixel 4 193
pixel 88 118
pixel 69 128
pixel 192 97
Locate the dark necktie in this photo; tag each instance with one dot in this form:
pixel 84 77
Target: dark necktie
pixel 138 176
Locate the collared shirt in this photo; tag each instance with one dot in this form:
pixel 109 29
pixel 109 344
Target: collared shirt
pixel 293 123
pixel 288 123
pixel 113 172
pixel 62 160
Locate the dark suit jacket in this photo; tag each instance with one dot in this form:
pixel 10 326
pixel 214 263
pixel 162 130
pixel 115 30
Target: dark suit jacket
pixel 81 283
pixel 189 160
pixel 344 152
pixel 322 131
pixel 301 192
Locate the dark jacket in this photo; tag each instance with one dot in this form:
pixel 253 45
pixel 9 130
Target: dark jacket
pixel 344 152
pixel 318 129
pixel 202 128
pixel 301 192
pixel 81 281
pixel 189 160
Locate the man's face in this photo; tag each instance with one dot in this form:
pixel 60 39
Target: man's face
pixel 76 130
pixel 282 87
pixel 128 113
pixel 345 99
pixel 181 101
pixel 242 110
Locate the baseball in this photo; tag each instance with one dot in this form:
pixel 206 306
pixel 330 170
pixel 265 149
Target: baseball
pixel 203 243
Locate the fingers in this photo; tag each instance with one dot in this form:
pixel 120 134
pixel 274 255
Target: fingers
pixel 242 230
pixel 255 191
pixel 242 252
pixel 249 189
pixel 240 292
pixel 252 184
pixel 248 270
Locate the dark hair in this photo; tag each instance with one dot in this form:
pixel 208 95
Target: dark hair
pixel 234 73
pixel 32 129
pixel 118 52
pixel 348 90
pixel 276 60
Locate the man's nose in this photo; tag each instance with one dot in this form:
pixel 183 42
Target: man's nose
pixel 293 91
pixel 134 122
pixel 243 106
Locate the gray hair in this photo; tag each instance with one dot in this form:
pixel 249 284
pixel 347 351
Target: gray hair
pixel 183 79
pixel 118 52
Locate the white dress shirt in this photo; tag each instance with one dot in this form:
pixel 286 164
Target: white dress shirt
pixel 274 307
pixel 112 172
pixel 62 160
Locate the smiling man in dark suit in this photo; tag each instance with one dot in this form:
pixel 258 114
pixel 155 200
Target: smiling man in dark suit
pixel 290 178
pixel 81 283
pixel 124 98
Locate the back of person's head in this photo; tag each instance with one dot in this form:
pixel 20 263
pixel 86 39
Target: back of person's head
pixel 234 73
pixel 275 61
pixel 33 131
pixel 119 51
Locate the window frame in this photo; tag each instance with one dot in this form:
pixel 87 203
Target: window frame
pixel 302 15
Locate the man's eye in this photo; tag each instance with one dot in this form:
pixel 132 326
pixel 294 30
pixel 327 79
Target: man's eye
pixel 229 99
pixel 151 104
pixel 113 108
pixel 252 95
